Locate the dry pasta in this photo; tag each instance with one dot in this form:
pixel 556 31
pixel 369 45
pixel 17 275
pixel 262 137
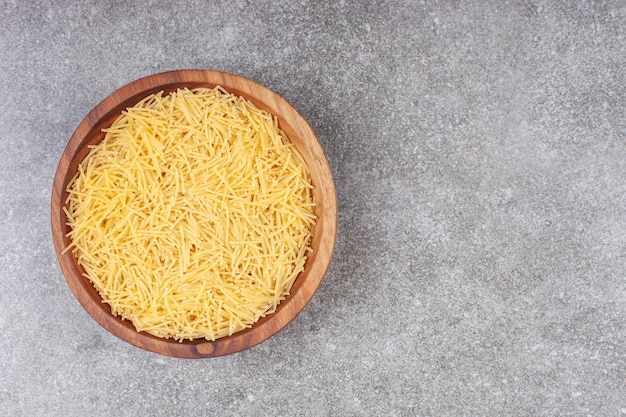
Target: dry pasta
pixel 193 216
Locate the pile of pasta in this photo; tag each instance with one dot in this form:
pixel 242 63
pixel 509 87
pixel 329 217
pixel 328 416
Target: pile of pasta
pixel 193 216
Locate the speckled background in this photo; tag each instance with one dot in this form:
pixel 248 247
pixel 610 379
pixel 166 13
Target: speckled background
pixel 479 155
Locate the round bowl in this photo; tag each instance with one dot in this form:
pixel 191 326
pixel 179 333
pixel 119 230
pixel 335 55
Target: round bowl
pixel 299 132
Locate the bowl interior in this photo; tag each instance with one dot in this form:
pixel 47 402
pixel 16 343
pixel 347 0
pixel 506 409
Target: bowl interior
pixel 89 132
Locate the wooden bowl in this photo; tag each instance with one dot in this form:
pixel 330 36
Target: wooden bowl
pixel 298 130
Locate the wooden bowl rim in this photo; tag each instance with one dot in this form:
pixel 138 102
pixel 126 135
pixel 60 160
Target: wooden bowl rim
pixel 299 132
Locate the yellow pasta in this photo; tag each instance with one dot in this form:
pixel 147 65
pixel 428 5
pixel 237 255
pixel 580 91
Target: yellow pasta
pixel 193 216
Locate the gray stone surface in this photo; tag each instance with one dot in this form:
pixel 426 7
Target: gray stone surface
pixel 479 153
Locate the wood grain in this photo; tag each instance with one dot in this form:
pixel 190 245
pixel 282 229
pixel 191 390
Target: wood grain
pixel 298 131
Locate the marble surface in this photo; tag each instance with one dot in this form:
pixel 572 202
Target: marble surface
pixel 479 155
